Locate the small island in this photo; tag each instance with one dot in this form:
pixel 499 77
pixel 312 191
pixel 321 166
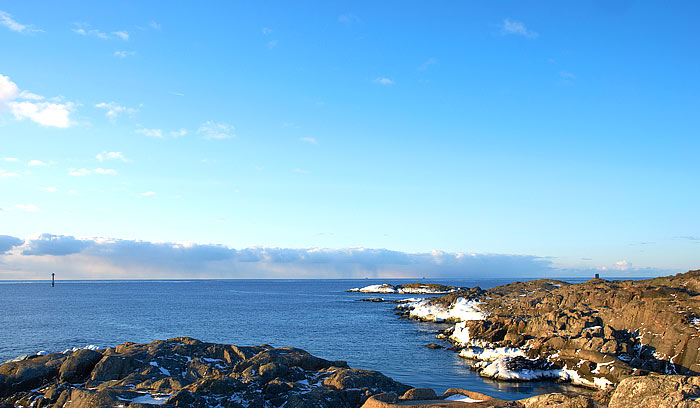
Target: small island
pixel 411 288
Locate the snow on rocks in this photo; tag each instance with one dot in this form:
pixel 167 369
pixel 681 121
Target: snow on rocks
pixel 490 354
pixel 413 288
pixel 461 310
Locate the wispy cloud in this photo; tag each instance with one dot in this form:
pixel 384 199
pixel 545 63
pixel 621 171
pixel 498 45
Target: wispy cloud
pixel 85 29
pixel 49 189
pixel 309 140
pixel 154 25
pixel 301 171
pixel 87 172
pixel 26 105
pixel 272 43
pixel 158 133
pixel 266 31
pixel 7 20
pixel 23 208
pixel 348 19
pixel 36 163
pixel 124 54
pixel 121 34
pixel 148 194
pixel 112 156
pixel 178 133
pixel 511 27
pixel 427 64
pixel 216 130
pixel 114 110
pixel 383 81
pixel 8 174
pixel 10 159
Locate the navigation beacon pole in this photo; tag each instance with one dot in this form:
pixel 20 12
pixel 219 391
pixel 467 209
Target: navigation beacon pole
pixel 53 279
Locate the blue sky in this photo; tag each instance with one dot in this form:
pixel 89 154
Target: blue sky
pixel 565 132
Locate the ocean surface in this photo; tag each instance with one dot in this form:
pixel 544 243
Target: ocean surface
pixel 315 315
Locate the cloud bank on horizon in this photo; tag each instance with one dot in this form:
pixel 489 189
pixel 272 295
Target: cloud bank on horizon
pixel 107 258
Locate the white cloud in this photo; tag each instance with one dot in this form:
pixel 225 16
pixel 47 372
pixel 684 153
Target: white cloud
pixel 87 172
pixel 384 81
pixel 124 54
pixel 36 163
pixel 23 207
pixel 154 25
pixel 49 189
pixel 517 28
pixel 121 34
pixel 622 265
pixel 113 109
pixel 11 159
pixel 266 31
pixel 215 130
pixel 24 105
pixel 9 22
pixel 151 132
pixel 81 257
pixel 8 89
pixel 8 174
pixel 43 113
pixel 424 66
pixel 178 133
pixel 272 43
pixel 112 156
pixel 148 194
pixel 309 140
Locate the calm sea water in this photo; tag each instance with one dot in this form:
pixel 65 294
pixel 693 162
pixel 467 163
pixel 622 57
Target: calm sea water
pixel 315 315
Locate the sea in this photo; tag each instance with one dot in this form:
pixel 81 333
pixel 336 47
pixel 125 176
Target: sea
pixel 315 315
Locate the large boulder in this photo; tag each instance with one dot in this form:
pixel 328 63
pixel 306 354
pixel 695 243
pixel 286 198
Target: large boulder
pixel 78 365
pixel 32 372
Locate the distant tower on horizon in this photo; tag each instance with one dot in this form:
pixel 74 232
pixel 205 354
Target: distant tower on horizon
pixel 53 279
pixel 597 276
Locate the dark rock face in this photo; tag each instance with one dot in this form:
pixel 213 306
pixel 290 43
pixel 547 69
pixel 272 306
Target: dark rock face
pixel 185 372
pixel 78 365
pixel 600 331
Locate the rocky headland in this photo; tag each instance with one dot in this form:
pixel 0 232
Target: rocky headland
pixel 596 334
pixel 184 372
pixel 411 288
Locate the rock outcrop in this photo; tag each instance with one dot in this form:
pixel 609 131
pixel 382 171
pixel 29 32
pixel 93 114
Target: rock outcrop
pixel 411 288
pixel 595 334
pixel 185 372
pixel 654 391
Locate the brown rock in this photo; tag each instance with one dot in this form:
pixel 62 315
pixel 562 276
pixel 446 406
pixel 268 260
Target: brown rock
pixel 78 365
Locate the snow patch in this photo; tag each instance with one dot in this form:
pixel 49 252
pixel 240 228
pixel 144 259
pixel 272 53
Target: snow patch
pixel 462 398
pixel 490 354
pixel 461 310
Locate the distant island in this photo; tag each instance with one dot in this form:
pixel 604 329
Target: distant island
pixel 412 288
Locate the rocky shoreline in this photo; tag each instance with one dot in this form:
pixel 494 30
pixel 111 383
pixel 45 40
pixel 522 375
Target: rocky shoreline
pixel 184 372
pixel 594 334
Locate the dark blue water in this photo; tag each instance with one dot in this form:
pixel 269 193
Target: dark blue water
pixel 316 315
